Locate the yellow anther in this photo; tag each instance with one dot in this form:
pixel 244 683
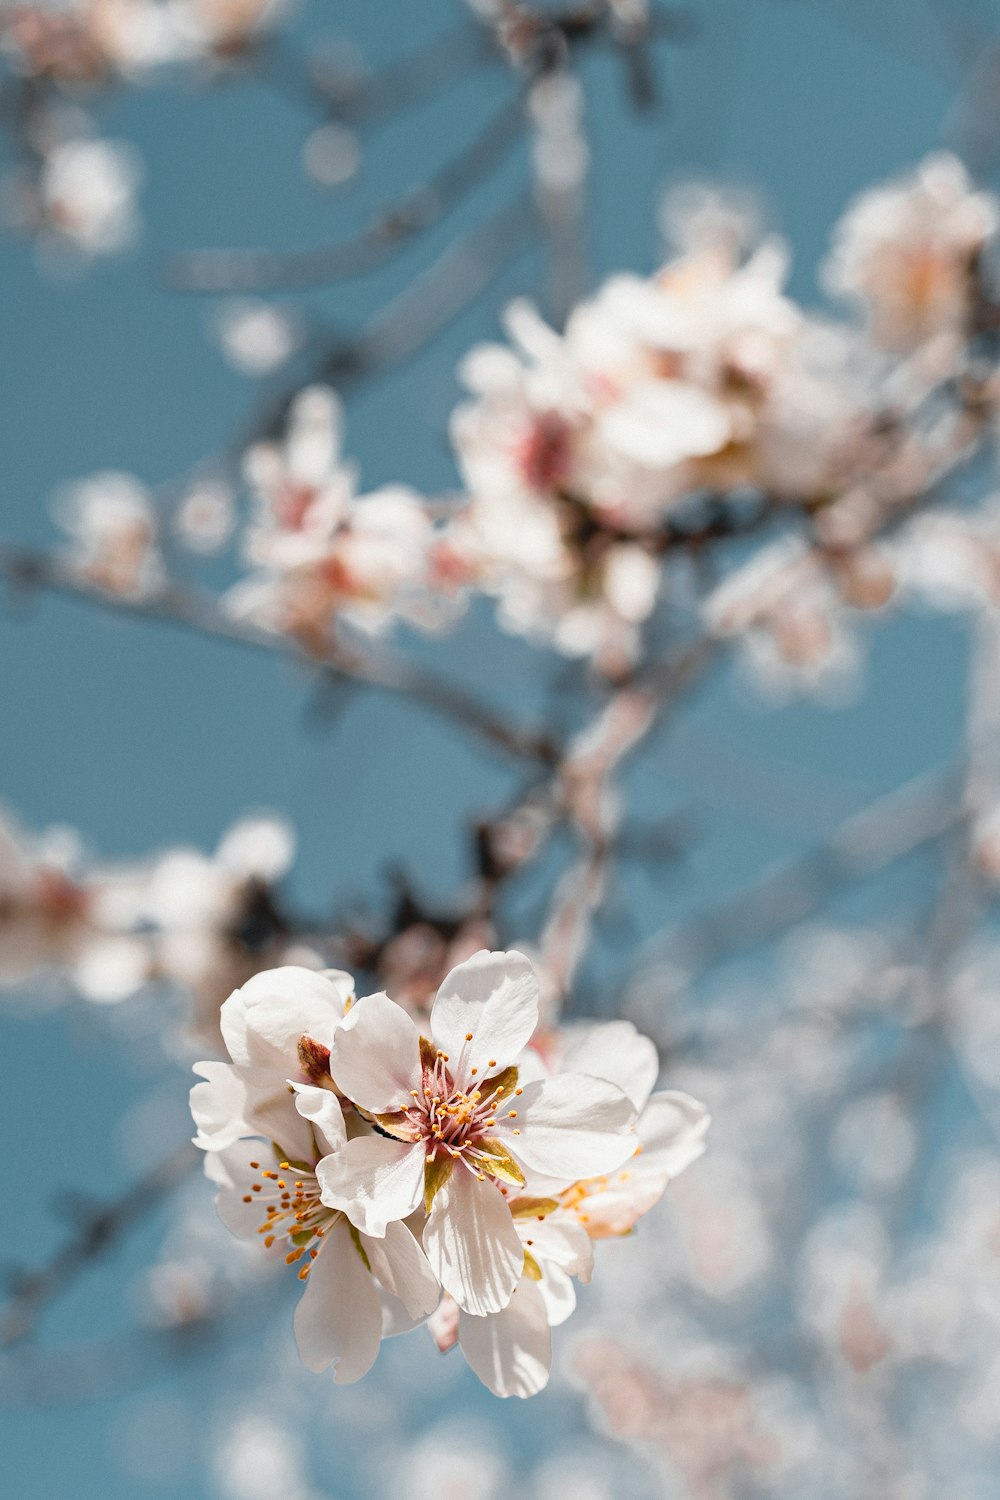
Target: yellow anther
pixel 468 1036
pixel 292 1256
pixel 492 1063
pixel 518 1092
pixel 512 1114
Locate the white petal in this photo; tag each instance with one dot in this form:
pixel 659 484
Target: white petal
pixel 374 1181
pixel 339 1317
pixel 495 997
pixel 572 1126
pixel 615 1051
pixel 560 1241
pixel 672 1131
pixel 660 423
pixel 262 1022
pixel 472 1245
pixel 375 1057
pixel 217 1106
pixel 401 1266
pixel 558 1294
pixel 511 1351
pixel 322 1109
pixel 232 1173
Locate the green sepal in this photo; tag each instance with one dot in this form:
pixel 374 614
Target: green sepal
pixel 492 1156
pixel 533 1208
pixel 355 1236
pixel 501 1084
pixel 428 1054
pixel 436 1174
pixel 531 1266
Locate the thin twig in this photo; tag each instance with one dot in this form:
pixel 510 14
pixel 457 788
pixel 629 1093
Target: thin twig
pixel 97 1231
pixel 417 210
pixel 31 570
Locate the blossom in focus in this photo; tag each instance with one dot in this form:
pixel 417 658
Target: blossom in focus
pixel 113 528
pixel 907 253
pixel 278 1029
pixel 511 1350
pixel 457 1129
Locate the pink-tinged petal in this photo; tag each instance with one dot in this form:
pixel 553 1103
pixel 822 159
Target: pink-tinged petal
pixel 558 1294
pixel 472 1245
pixel 373 1181
pixel 572 1126
pixel 615 1051
pixel 672 1130
pixel 217 1106
pixel 322 1109
pixel 401 1266
pixel 339 1318
pixel 510 1351
pixel 443 1324
pixel 375 1056
pixel 262 1022
pixel 495 997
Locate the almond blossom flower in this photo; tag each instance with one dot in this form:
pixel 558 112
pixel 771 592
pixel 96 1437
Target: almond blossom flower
pixel 671 1127
pixel 213 918
pixel 277 1029
pixel 112 524
pixel 511 1350
pixel 321 553
pixel 86 195
pixel 456 1128
pixel 907 252
pixel 56 915
pixel 269 1188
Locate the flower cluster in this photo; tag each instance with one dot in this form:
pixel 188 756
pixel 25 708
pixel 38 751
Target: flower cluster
pixel 320 553
pixel 578 447
pixel 458 1173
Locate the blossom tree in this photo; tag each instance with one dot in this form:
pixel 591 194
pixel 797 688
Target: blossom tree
pixel 634 1024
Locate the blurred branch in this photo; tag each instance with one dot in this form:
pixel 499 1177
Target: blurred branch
pixel 868 842
pixel 419 208
pixel 98 1230
pixel 32 570
pixel 408 323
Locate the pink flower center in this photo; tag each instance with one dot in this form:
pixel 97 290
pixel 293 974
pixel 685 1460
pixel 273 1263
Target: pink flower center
pixel 543 455
pixel 456 1120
